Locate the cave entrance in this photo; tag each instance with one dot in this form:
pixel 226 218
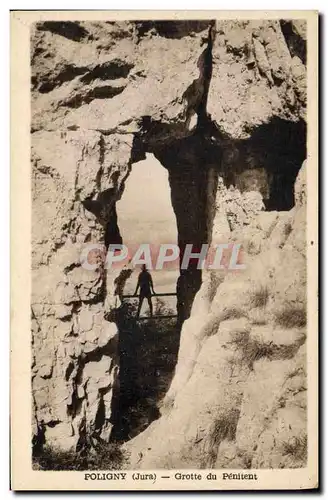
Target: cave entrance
pixel 148 349
pixel 281 148
pixel 145 216
pixel 268 162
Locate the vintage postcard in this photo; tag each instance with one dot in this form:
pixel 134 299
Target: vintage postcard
pixel 164 250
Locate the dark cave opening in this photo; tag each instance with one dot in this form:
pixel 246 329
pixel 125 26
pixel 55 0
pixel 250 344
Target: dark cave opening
pixel 267 162
pixel 281 145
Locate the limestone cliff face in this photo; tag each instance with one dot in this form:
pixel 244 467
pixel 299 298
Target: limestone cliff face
pixel 74 348
pixel 219 104
pixel 238 397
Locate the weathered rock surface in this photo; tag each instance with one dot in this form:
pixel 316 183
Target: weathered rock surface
pixel 113 76
pixel 221 104
pixel 254 79
pixel 74 349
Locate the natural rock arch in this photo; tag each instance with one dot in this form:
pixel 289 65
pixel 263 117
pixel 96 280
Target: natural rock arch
pixel 103 95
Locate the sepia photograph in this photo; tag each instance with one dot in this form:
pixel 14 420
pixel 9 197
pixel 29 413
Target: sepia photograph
pixel 171 184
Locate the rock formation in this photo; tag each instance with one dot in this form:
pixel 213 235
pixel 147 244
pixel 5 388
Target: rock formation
pixel 222 105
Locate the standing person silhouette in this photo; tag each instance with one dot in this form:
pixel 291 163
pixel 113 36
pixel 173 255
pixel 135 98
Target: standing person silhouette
pixel 145 283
